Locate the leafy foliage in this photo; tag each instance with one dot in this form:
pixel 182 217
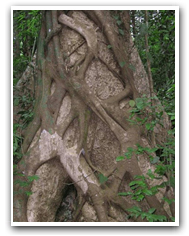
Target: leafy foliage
pixel 140 189
pixel 150 216
pixel 161 39
pixel 25 103
pixel 16 142
pixel 23 181
pixel 102 178
pixel 144 113
pixel 25 31
pixel 119 22
pixel 141 112
pixel 26 26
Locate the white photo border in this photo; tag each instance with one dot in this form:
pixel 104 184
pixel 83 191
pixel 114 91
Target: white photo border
pixel 176 8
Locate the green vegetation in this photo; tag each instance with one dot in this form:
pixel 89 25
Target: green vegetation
pixel 164 162
pixel 150 216
pixel 26 25
pixel 25 32
pixel 161 39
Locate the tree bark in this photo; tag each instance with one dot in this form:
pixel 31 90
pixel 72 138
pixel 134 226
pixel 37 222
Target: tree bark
pixel 81 122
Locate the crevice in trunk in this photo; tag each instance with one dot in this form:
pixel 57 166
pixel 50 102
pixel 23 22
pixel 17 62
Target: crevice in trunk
pixel 68 206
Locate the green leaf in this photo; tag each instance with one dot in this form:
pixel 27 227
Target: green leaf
pixel 28 193
pixel 102 178
pixel 135 209
pixel 140 149
pixel 155 160
pixel 150 218
pixel 154 189
pixel 130 149
pixel 21 183
pixel 161 218
pixel 148 126
pixel 116 17
pixel 151 150
pixel 137 183
pixel 109 46
pixel 120 158
pixel 160 169
pixel 143 215
pixel 140 197
pixel 141 177
pixel 166 37
pixel 148 192
pixel 128 155
pixel 132 183
pixel 169 201
pixel 173 219
pixel 15 81
pixel 121 32
pixel 152 210
pixel 150 174
pixel 134 110
pixel 132 67
pixel 16 102
pixel 140 103
pixel 32 178
pixel 137 214
pixel 131 103
pixel 172 181
pixel 119 22
pixel 138 192
pixel 122 63
pixel 125 193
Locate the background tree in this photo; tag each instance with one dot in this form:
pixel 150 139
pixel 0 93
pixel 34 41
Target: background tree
pixel 87 154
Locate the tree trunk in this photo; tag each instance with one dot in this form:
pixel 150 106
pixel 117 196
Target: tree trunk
pixel 85 82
